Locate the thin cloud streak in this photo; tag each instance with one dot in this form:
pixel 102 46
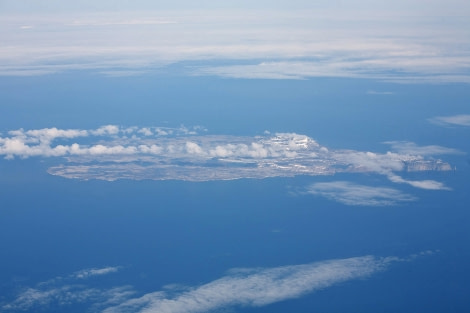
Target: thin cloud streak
pixel 392 69
pixel 248 287
pixel 406 147
pixel 454 120
pixel 390 162
pixel 423 184
pixel 257 287
pixel 374 92
pixel 64 296
pixel 83 274
pixel 354 194
pixel 69 290
pixel 260 287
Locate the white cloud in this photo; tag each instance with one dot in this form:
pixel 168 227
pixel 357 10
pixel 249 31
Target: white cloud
pixel 194 148
pixel 390 162
pixel 106 130
pixel 370 161
pixel 96 272
pixel 423 184
pixel 123 73
pixel 100 149
pixel 162 132
pixel 427 184
pixel 146 131
pixel 61 292
pixel 405 69
pixel 249 287
pixel 46 135
pixel 39 142
pixel 374 92
pixel 407 147
pixel 455 120
pixel 355 194
pixel 152 149
pixel 256 287
pixel 40 299
pixel 33 298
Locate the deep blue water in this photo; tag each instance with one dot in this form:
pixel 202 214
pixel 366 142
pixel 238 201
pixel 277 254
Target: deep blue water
pixel 165 232
pixel 192 233
pixel 337 112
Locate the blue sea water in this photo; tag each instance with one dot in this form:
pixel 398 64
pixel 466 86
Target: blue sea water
pixel 191 233
pixel 338 112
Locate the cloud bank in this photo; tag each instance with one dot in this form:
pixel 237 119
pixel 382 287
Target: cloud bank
pixel 249 287
pixel 111 152
pixel 388 41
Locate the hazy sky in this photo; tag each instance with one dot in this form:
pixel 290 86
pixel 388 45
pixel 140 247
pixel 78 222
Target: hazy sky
pixel 439 7
pixel 426 40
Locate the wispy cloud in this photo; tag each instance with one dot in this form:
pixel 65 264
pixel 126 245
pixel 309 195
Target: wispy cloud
pixel 423 184
pixel 355 194
pixel 41 299
pixel 405 43
pixel 111 152
pixel 454 120
pixel 96 272
pixel 123 73
pixel 63 292
pixel 257 287
pixel 407 147
pixel 330 64
pixel 389 163
pixel 374 92
pixel 249 287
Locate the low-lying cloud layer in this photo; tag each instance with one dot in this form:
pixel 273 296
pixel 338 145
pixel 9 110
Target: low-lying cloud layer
pixel 404 41
pixel 111 152
pixel 250 287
